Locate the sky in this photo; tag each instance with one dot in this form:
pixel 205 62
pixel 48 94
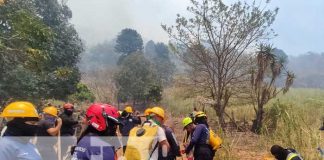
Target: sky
pixel 299 23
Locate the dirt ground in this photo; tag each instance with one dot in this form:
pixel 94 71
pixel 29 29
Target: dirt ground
pixel 244 145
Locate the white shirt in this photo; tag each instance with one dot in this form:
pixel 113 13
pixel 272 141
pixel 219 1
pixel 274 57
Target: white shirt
pixel 159 138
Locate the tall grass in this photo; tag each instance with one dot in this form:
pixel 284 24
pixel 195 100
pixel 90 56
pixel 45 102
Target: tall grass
pixel 292 120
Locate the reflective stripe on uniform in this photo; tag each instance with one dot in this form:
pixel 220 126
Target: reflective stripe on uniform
pixel 291 156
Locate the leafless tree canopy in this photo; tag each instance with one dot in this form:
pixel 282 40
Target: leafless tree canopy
pixel 214 42
pixel 102 84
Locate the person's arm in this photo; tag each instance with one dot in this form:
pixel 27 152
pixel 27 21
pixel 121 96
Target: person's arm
pixel 163 142
pixel 137 120
pixel 194 138
pixel 174 146
pixel 6 152
pixel 54 131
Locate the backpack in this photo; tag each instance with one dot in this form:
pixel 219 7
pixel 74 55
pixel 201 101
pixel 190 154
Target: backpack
pixel 139 144
pixel 214 140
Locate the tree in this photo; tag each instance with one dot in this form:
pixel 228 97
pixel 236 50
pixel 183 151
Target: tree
pixel 158 54
pixel 128 41
pixel 82 94
pixel 268 68
pixel 136 80
pixel 24 40
pixel 39 50
pixel 165 68
pixel 66 48
pixel 213 43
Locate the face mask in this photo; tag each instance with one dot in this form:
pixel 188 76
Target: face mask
pixel 68 112
pixel 20 128
pixel 30 130
pixel 50 119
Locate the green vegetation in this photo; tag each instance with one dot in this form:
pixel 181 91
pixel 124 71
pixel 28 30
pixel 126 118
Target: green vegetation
pixel 83 94
pixel 291 120
pixel 39 51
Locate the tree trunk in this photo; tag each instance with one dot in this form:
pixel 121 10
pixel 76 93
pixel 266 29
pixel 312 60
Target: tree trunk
pixel 257 123
pixel 220 114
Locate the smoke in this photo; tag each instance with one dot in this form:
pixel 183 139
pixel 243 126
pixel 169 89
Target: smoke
pixel 100 20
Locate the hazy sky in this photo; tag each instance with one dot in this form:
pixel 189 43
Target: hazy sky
pixel 300 23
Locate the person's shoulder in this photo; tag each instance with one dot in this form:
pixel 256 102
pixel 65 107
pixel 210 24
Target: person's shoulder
pixel 9 142
pixel 201 126
pixel 167 129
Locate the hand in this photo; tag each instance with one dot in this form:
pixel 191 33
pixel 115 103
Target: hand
pixel 137 113
pixel 182 151
pixel 190 158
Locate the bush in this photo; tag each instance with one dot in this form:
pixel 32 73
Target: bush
pixel 82 94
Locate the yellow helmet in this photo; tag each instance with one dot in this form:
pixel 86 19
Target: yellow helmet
pixel 158 111
pixel 147 111
pixel 186 121
pixel 129 109
pixel 200 114
pixel 51 110
pixel 19 109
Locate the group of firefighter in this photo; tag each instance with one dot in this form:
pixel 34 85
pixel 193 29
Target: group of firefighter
pixel 105 132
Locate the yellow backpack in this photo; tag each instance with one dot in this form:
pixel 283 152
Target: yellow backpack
pixel 214 140
pixel 139 144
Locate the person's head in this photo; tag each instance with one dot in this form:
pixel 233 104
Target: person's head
pixel 68 108
pixel 50 114
pixel 157 114
pixel 128 109
pixel 278 152
pixel 200 118
pixel 102 118
pixel 188 124
pixel 23 118
pixel 147 113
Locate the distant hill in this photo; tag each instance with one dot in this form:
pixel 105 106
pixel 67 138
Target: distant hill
pixel 309 70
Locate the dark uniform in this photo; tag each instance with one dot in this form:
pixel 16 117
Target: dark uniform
pixel 45 142
pixel 174 146
pixel 67 132
pixel 199 139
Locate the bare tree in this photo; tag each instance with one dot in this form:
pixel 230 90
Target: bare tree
pixel 264 74
pixel 214 42
pixel 102 85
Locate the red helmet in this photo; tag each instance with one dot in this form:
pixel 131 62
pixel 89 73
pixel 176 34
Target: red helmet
pixel 68 106
pixel 98 115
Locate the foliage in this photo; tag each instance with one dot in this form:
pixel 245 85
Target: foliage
pixel 128 41
pixel 39 50
pixel 213 42
pixel 264 74
pixel 158 54
pixel 136 80
pixel 82 94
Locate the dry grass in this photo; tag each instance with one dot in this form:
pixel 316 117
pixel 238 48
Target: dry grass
pixel 298 115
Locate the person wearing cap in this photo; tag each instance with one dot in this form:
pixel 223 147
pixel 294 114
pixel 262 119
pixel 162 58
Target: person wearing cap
pixel 281 153
pixel 199 140
pixel 49 127
pixel 157 118
pixel 69 124
pixel 22 123
pixel 128 121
